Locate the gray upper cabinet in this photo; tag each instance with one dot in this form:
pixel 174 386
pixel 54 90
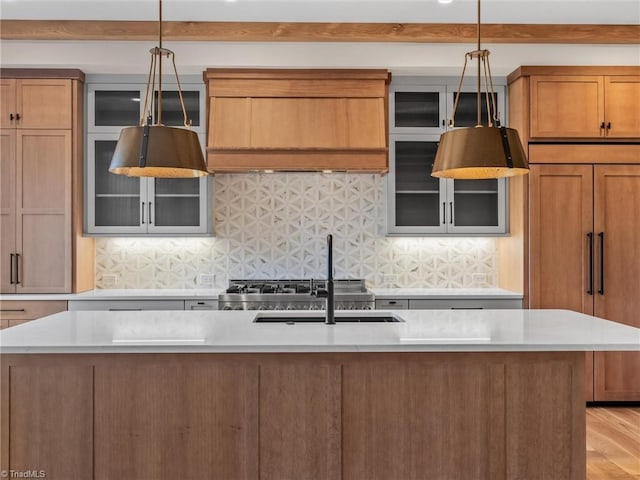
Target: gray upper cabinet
pixel 417 203
pixel 118 205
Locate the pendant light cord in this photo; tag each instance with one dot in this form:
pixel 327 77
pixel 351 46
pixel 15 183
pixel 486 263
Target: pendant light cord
pixel 159 122
pixel 478 95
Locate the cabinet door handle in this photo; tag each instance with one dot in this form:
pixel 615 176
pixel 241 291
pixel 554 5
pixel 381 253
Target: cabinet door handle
pixel 11 117
pixel 150 218
pixel 142 213
pixel 451 213
pixel 17 116
pixel 17 269
pixel 12 310
pixel 602 126
pixel 590 241
pixel 601 290
pixel 11 269
pixel 608 126
pixel 444 213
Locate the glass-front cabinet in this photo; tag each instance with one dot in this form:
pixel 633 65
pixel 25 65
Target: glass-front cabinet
pixel 417 106
pixel 419 204
pixel 120 205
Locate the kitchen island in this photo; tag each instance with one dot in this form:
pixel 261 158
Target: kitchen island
pixel 441 394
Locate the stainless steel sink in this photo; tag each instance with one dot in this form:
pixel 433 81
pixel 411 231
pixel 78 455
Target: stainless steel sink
pixel 302 318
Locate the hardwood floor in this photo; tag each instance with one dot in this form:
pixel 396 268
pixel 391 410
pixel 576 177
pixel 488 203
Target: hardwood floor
pixel 613 443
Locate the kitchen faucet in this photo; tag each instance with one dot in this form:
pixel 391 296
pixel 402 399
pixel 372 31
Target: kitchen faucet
pixel 330 308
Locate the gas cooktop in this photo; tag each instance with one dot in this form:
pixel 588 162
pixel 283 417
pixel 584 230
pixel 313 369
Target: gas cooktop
pixel 294 294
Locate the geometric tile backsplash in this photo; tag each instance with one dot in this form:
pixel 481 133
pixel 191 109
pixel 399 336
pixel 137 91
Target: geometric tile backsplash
pixel 275 226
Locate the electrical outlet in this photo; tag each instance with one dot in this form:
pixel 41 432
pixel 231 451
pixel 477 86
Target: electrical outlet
pixel 206 279
pixel 109 280
pixel 479 279
pixel 390 279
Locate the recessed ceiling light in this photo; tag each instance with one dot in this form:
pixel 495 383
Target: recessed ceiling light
pixel 445 1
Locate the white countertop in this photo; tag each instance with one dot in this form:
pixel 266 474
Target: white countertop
pixel 444 293
pixel 226 332
pixel 212 293
pixel 123 294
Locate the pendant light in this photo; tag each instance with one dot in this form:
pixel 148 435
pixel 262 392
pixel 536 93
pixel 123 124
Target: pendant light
pixel 152 149
pixel 490 151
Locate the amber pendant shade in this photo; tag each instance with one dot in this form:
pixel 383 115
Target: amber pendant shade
pixel 171 152
pixel 480 152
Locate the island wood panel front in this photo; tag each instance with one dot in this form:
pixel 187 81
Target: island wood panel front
pixel 441 417
pixel 300 413
pixel 47 413
pixel 549 421
pixel 344 416
pixel 617 216
pixel 189 416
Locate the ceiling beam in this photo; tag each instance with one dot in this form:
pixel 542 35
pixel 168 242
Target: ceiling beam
pixel 318 32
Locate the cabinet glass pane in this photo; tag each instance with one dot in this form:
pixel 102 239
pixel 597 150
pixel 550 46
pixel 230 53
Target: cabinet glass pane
pixel 467 111
pixel 117 211
pixel 414 164
pixel 117 108
pixel 417 109
pixel 177 211
pixel 180 186
pixel 418 209
pixel 110 183
pixel 488 185
pixel 476 209
pixel 172 110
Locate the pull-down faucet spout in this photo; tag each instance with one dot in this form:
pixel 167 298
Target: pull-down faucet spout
pixel 330 307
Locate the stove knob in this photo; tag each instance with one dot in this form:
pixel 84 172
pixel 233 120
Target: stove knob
pixel 367 307
pixel 270 307
pixel 226 307
pixel 252 307
pixel 262 307
pixel 290 307
pixel 239 307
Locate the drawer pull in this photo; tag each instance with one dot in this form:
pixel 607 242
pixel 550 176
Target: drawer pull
pixel 467 308
pixel 125 309
pixel 14 310
pixel 11 282
pixel 17 269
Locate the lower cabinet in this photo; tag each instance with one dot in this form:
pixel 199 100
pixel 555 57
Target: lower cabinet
pixel 201 305
pixel 447 304
pixel 330 416
pixel 15 312
pixel 126 305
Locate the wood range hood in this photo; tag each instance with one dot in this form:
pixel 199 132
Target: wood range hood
pixel 297 120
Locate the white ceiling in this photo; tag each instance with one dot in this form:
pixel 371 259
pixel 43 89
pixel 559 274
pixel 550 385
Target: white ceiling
pixel 401 58
pixel 493 11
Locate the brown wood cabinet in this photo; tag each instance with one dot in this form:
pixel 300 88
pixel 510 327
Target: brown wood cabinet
pixel 36 103
pixel 584 224
pixel 557 213
pixel 15 312
pixel 583 102
pixel 325 416
pixel 41 245
pixel 309 120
